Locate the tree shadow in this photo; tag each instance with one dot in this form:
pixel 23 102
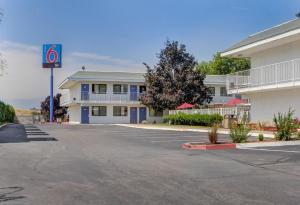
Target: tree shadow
pixel 6 192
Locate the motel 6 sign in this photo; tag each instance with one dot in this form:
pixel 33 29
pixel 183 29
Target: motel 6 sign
pixel 52 56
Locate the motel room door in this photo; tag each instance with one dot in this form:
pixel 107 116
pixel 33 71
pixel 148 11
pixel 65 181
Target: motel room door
pixel 133 93
pixel 142 114
pixel 85 115
pixel 85 88
pixel 133 115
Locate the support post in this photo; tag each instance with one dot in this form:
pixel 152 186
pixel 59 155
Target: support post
pixel 51 97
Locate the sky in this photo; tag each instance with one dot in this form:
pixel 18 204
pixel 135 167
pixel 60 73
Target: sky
pixel 118 35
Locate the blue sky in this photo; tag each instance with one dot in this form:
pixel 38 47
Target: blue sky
pixel 120 35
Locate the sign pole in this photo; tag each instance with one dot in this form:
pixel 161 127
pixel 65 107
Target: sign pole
pixel 51 97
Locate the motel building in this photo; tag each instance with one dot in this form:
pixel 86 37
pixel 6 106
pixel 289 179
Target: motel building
pixel 273 82
pixel 113 97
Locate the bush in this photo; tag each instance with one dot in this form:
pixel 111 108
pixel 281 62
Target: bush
pixel 213 135
pixel 7 113
pixel 285 125
pixel 239 133
pixel 193 119
pixel 261 137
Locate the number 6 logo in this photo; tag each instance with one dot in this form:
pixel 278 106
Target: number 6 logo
pixel 51 52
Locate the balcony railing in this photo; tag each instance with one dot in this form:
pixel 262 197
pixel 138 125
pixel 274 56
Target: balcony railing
pixel 285 73
pixel 87 97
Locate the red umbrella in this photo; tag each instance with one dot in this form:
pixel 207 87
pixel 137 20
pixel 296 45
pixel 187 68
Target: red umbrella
pixel 235 101
pixel 184 106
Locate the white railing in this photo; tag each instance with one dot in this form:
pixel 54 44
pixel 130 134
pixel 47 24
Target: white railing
pixel 87 97
pixel 260 77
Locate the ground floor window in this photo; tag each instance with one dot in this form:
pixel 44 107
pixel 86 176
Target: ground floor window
pixel 99 110
pixel 223 92
pixel 120 111
pixel 212 91
pixel 155 113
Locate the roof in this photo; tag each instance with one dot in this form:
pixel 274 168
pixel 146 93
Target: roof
pixel 91 76
pixel 268 33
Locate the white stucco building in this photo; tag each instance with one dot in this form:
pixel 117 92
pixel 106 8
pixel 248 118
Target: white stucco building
pixel 273 82
pixel 113 97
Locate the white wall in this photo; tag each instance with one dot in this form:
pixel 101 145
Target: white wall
pixel 285 52
pixel 75 115
pixel 265 104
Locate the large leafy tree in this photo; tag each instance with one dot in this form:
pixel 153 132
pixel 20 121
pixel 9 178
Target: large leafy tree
pixel 59 111
pixel 173 80
pixel 223 65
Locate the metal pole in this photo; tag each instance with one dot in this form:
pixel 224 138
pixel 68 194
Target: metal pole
pixel 51 97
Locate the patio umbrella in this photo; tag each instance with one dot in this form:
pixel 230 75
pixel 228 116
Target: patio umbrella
pixel 235 101
pixel 184 106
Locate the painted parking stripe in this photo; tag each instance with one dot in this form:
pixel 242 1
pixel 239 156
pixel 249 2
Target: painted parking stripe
pixel 271 150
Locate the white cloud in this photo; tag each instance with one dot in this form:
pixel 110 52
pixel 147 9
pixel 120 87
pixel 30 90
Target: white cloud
pixel 25 83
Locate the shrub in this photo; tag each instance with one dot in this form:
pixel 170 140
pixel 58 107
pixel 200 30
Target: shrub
pixel 213 135
pixel 7 113
pixel 285 125
pixel 261 137
pixel 193 119
pixel 239 133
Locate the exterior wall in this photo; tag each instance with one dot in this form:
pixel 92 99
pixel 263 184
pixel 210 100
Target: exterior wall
pixel 282 53
pixel 75 115
pixel 265 104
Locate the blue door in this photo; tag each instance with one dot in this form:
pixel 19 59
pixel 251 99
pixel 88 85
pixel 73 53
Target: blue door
pixel 133 92
pixel 85 115
pixel 85 88
pixel 133 115
pixel 142 114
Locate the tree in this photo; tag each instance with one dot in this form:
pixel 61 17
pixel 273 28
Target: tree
pixel 223 65
pixel 59 111
pixel 173 80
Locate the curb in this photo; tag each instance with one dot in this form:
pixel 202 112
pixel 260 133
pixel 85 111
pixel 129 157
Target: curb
pixel 267 144
pixel 253 134
pixel 1 126
pixel 192 146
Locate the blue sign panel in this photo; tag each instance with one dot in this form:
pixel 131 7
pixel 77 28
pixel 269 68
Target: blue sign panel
pixel 52 55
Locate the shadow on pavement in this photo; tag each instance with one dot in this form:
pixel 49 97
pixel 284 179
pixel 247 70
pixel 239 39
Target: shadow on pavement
pixel 16 133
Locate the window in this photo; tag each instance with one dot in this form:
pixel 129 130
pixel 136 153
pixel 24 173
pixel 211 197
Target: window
pixel 223 91
pixel 155 113
pixel 120 89
pixel 98 110
pixel 212 91
pixel 99 88
pixel 120 111
pixel 142 89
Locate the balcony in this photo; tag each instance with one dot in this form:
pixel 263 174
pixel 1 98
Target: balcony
pixel 86 97
pixel 275 76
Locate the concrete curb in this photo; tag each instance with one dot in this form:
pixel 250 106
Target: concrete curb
pixel 1 126
pixel 267 144
pixel 253 134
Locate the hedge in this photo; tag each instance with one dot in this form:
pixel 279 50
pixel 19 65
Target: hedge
pixel 193 119
pixel 7 113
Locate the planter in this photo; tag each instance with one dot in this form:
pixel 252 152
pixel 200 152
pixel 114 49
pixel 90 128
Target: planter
pixel 202 146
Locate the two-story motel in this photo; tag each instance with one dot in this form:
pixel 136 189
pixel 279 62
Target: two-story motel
pixel 273 82
pixel 113 97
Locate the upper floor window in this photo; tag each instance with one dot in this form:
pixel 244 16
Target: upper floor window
pixel 99 88
pixel 99 110
pixel 120 89
pixel 212 91
pixel 142 89
pixel 223 91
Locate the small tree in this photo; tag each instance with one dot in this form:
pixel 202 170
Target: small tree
pixel 285 125
pixel 173 80
pixel 59 111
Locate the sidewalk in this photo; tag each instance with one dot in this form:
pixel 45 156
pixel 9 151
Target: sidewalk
pixel 190 129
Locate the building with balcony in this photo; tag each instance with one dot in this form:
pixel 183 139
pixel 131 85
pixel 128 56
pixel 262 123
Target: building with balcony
pixel 113 97
pixel 273 82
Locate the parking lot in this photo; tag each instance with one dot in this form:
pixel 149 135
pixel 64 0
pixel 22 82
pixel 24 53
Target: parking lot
pixel 109 164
